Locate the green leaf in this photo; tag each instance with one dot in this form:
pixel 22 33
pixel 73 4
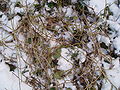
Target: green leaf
pixel 29 40
pixel 74 55
pixel 75 17
pixel 18 4
pixel 38 72
pixel 52 88
pixel 58 74
pixel 86 26
pixel 57 53
pixel 37 6
pixel 78 6
pixel 92 88
pixel 68 89
pixel 51 4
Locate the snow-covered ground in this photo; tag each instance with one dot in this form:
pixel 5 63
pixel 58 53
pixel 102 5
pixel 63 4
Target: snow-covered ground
pixel 9 81
pixel 14 80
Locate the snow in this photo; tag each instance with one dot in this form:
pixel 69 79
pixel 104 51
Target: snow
pixel 106 85
pixel 116 12
pixel 11 25
pixel 104 39
pixel 98 5
pixel 81 54
pixel 53 43
pixel 18 10
pixel 67 82
pixel 90 46
pixel 3 19
pixel 73 1
pixel 67 35
pixel 9 81
pixel 64 62
pixel 26 2
pixel 68 11
pixel 116 27
pixel 117 44
pixel 114 73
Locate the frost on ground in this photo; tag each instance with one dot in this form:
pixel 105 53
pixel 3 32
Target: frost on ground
pixel 59 44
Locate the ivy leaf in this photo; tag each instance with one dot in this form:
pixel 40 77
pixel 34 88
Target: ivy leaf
pixel 68 89
pixel 74 55
pixel 92 88
pixel 52 88
pixel 38 72
pixel 29 40
pixel 57 53
pixel 18 4
pixel 58 74
pixel 37 7
pixel 51 4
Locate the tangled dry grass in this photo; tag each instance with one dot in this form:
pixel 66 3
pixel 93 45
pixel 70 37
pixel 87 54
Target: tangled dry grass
pixel 38 27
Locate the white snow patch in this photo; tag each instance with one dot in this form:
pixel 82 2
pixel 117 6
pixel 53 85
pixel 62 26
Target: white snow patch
pixel 106 85
pixel 3 19
pixel 115 10
pixel 81 54
pixel 18 10
pixel 116 43
pixel 98 5
pixel 64 62
pixel 114 73
pixel 67 82
pixel 104 39
pixel 9 81
pixel 73 1
pixel 114 26
pixel 53 43
pixel 67 35
pixel 90 46
pixel 12 25
pixel 26 2
pixel 68 11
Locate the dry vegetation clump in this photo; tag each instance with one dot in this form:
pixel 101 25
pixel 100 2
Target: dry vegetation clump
pixel 46 29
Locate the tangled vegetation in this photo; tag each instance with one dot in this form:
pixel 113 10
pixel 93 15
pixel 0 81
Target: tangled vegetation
pixel 45 29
